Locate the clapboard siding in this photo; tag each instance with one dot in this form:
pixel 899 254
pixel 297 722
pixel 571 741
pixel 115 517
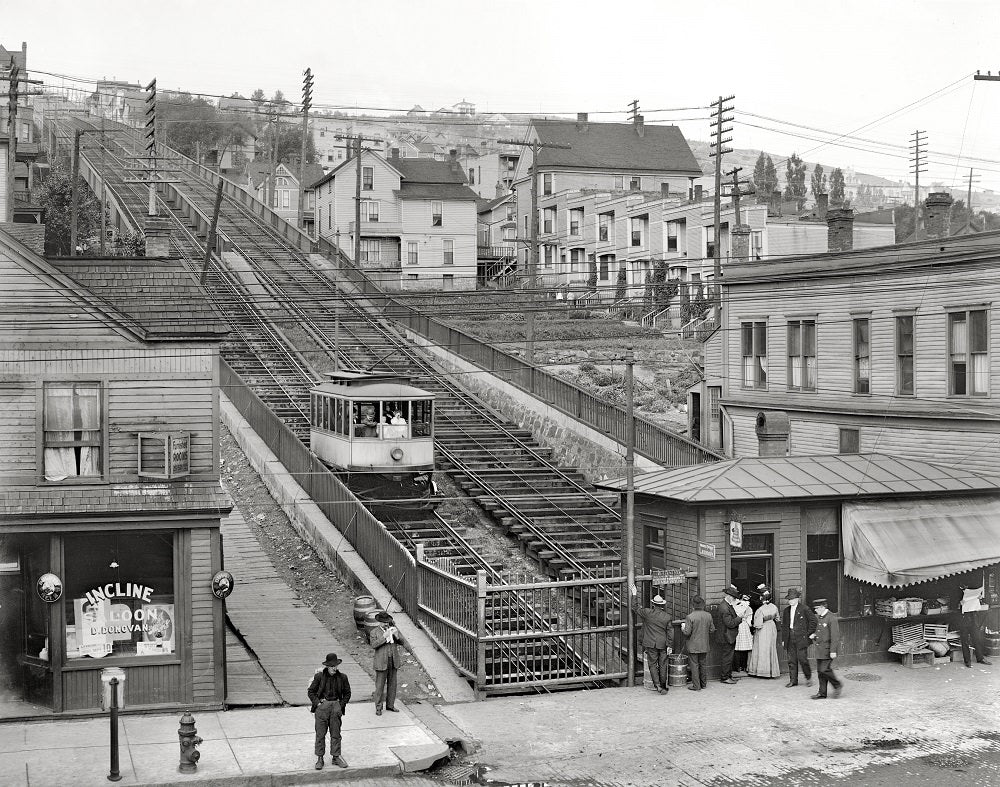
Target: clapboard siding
pixel 157 684
pixel 18 437
pixel 206 684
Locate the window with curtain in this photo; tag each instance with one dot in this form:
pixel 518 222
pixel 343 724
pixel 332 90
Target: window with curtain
pixel 604 226
pixel 802 355
pixel 968 347
pixel 753 339
pixel 369 209
pixel 72 431
pixel 862 355
pixel 367 178
pixel 449 252
pixel 546 183
pixel 412 253
pixel 671 236
pixel 904 355
pixel 548 219
pixel 436 210
pixel 576 221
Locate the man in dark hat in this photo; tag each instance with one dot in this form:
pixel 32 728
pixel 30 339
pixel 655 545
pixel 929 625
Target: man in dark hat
pixel 798 624
pixel 329 693
pixel 827 637
pixel 384 638
pixel 727 632
pixel 697 627
pixel 655 625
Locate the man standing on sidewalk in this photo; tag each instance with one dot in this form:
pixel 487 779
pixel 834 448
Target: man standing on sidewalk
pixel 655 625
pixel 697 627
pixel 384 638
pixel 827 641
pixel 329 693
pixel 727 633
pixel 798 624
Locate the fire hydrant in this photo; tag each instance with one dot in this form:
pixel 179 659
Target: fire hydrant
pixel 189 739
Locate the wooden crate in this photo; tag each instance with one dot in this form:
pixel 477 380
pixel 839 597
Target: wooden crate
pixel 920 658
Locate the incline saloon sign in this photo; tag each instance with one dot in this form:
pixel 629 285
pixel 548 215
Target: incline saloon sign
pixel 119 590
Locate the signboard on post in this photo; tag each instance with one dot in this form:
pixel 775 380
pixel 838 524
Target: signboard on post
pixel 706 551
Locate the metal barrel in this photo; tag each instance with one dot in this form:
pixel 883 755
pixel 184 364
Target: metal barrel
pixel 362 606
pixel 677 669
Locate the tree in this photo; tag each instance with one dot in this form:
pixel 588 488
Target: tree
pixel 765 178
pixel 592 277
pixel 818 181
pixel 55 197
pixel 621 285
pixel 795 180
pixel 837 187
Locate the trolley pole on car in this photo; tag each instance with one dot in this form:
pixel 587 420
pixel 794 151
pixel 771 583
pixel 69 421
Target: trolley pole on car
pixel 629 525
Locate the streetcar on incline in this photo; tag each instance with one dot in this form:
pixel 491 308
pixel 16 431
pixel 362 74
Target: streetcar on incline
pixel 377 431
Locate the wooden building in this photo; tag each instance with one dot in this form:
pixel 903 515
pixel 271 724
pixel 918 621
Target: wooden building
pixel 854 529
pixel 110 500
pixel 884 350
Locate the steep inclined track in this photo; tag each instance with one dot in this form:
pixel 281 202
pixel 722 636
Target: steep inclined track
pixel 293 321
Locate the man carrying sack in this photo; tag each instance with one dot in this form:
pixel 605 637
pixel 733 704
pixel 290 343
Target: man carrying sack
pixel 384 639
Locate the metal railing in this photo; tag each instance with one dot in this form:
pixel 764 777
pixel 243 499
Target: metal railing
pixel 386 557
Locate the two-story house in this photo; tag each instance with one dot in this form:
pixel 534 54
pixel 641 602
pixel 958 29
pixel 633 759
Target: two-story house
pixel 282 186
pixel 605 157
pixel 418 220
pixel 887 350
pixel 497 245
pixel 110 500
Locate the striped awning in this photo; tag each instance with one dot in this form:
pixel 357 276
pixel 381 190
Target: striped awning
pixel 902 542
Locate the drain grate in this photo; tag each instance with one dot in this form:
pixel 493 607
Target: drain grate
pixel 863 677
pixel 457 774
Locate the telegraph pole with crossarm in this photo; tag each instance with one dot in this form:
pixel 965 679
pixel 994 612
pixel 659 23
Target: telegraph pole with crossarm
pixel 532 241
pixel 718 150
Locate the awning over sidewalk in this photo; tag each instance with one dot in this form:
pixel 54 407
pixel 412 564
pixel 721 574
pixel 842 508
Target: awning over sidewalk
pixel 901 542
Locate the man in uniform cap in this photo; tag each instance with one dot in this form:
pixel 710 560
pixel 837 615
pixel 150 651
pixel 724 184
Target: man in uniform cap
pixel 329 693
pixel 798 624
pixel 655 625
pixel 827 637
pixel 727 632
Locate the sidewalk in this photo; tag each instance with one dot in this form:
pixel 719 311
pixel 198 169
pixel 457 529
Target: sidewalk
pixel 754 733
pixel 273 746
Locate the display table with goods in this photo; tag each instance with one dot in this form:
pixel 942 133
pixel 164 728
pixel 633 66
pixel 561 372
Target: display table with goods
pixel 923 630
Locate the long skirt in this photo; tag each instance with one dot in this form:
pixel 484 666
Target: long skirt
pixel 764 657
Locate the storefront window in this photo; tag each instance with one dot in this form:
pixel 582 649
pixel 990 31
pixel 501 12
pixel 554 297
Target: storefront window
pixel 120 595
pixel 824 566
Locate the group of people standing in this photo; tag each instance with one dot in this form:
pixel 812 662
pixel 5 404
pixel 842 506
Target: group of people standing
pixel 747 639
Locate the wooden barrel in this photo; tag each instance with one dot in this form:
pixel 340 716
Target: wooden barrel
pixel 362 606
pixel 992 642
pixel 677 669
pixel 370 623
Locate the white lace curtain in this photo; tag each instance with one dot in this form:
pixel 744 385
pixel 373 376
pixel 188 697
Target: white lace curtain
pixel 72 431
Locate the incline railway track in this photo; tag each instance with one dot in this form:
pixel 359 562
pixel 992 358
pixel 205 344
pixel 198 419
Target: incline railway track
pixel 291 321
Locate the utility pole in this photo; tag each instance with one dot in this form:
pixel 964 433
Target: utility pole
pixel 212 234
pixel 968 202
pixel 717 151
pixel 269 189
pixel 357 140
pixel 987 78
pixel 151 143
pixel 307 86
pixel 529 322
pixel 918 145
pixel 74 194
pixel 104 207
pixel 629 525
pixel 633 111
pixel 735 194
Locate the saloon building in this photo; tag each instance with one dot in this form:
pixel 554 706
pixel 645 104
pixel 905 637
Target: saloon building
pixel 110 500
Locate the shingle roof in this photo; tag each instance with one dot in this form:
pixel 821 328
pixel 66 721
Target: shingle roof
pixel 145 497
pixel 423 170
pixel 159 294
pixel 615 146
pixel 450 191
pixel 797 477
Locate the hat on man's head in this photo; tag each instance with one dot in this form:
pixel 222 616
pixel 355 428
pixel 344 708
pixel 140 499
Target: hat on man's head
pixel 793 593
pixel 733 591
pixel 659 600
pixel 383 617
pixel 332 660
pixel 819 602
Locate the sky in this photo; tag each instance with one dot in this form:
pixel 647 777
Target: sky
pixel 801 71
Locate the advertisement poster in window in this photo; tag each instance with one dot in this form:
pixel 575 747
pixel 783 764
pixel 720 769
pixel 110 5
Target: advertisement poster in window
pixel 736 534
pixel 94 628
pixel 157 629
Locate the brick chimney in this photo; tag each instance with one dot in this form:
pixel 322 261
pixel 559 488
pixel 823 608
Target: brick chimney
pixel 581 117
pixel 822 205
pixel 157 232
pixel 937 217
pixel 664 189
pixel 840 229
pixel 697 192
pixel 773 429
pixel 395 154
pixel 453 162
pixel 740 238
pixel 640 125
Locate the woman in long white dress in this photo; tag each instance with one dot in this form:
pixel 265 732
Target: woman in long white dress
pixel 764 657
pixel 744 637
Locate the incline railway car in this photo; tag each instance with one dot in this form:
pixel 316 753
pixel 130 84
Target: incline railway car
pixel 378 431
